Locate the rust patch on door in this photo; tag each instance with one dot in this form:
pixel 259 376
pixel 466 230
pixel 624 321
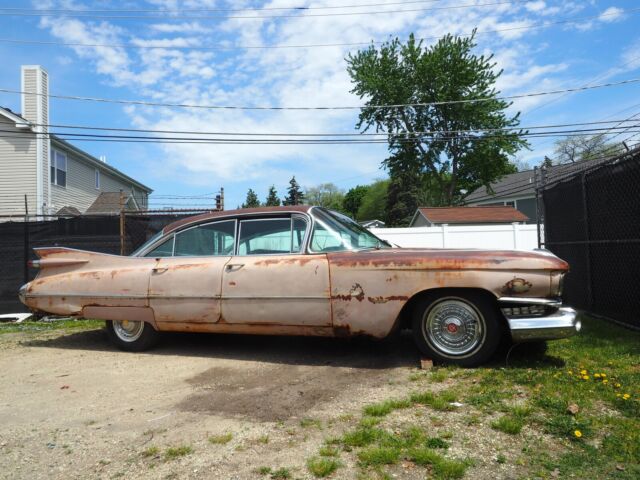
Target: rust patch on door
pixel 356 292
pixel 390 298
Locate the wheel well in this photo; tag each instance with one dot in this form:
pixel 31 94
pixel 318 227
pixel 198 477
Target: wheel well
pixel 405 316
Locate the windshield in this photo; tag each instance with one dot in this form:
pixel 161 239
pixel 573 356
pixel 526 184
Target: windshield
pixel 335 232
pixel 146 244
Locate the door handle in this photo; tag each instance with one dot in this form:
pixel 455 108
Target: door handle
pixel 234 266
pixel 159 269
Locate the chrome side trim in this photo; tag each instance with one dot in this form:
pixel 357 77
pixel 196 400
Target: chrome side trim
pixel 561 324
pixel 551 302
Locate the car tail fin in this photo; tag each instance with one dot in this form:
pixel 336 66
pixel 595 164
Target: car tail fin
pixel 59 257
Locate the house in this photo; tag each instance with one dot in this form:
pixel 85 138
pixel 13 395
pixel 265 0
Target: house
pixel 434 216
pixel 52 174
pixel 372 223
pixel 518 189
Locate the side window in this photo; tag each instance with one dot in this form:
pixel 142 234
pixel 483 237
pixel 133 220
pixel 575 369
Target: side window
pixel 205 240
pixel 266 236
pixel 165 249
pixel 298 229
pixel 324 240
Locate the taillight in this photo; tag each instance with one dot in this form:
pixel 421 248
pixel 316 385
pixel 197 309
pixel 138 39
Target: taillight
pixel 33 263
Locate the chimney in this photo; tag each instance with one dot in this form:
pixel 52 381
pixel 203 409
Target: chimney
pixel 35 109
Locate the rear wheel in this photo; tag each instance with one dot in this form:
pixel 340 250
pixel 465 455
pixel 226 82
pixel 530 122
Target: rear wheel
pixel 132 336
pixel 459 329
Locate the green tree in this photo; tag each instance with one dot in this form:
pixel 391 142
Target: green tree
pixel 325 195
pixel 374 203
pixel 353 199
pixel 577 149
pixel 294 194
pixel 251 200
pixel 272 198
pixel 452 146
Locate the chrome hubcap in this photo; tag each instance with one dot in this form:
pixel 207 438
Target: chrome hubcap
pixel 453 327
pixel 127 330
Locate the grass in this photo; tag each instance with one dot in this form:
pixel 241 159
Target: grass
pixel 282 473
pixel 322 466
pixel 151 452
pixel 176 452
pixel 310 422
pixel 40 326
pixel 580 400
pixel 221 439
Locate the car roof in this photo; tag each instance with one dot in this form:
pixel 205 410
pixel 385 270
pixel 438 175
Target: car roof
pixel 232 213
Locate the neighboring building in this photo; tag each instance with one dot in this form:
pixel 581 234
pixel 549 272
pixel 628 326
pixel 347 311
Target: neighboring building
pixel 372 223
pixel 434 216
pixel 518 189
pixel 54 175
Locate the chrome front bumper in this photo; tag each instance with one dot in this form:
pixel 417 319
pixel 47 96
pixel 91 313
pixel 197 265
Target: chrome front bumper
pixel 562 323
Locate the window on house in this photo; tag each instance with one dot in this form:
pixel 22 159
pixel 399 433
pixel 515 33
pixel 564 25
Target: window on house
pixel 97 179
pixel 58 171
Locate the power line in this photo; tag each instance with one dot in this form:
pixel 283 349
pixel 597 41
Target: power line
pixel 296 141
pixel 327 134
pixel 352 107
pixel 247 9
pixel 77 14
pixel 568 20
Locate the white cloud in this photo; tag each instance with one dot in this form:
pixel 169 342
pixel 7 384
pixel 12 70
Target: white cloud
pixel 611 14
pixel 281 77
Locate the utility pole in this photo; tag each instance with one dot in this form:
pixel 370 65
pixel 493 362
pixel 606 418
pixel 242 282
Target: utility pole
pixel 122 222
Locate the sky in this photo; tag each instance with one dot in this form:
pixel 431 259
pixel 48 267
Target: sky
pixel 579 43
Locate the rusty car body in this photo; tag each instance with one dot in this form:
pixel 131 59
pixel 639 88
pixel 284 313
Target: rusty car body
pixel 306 271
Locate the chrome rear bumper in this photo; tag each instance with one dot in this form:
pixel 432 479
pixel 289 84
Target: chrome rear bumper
pixel 563 323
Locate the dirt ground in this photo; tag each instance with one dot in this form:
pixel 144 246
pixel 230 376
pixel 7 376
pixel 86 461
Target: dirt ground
pixel 72 406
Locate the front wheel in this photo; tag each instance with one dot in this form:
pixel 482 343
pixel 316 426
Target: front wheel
pixel 459 329
pixel 131 336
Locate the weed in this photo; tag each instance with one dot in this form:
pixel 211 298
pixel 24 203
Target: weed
pixel 221 439
pixel 435 442
pixel 501 459
pixel 328 451
pixel 322 466
pixel 263 470
pixel 362 437
pixel 508 424
pixel 384 408
pixel 263 439
pixel 310 422
pixel 175 452
pixel 151 452
pixel 282 473
pixel 379 456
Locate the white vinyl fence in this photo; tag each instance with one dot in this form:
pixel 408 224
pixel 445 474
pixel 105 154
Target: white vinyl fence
pixel 494 237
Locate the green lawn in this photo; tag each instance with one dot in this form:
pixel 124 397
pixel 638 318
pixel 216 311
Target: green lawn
pixel 66 324
pixel 572 412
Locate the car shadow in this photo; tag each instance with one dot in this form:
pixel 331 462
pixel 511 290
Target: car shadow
pixel 359 352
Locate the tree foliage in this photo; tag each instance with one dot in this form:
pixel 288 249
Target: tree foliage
pixel 272 198
pixel 251 200
pixel 374 202
pixel 294 193
pixel 430 143
pixel 353 199
pixel 577 149
pixel 325 195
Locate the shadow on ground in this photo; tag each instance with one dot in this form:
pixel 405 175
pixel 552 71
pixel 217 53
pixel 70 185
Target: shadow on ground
pixel 354 353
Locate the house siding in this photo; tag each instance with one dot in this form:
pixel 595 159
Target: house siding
pixel 80 191
pixel 17 170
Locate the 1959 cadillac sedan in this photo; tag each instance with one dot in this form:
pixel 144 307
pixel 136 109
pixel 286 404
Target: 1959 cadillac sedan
pixel 306 271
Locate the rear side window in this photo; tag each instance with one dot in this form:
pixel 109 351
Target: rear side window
pixel 206 240
pixel 272 236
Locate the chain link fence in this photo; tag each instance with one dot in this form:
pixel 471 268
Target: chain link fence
pixel 113 234
pixel 592 220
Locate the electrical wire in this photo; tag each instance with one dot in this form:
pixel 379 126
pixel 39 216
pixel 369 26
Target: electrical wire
pixel 347 107
pixel 77 14
pixel 565 21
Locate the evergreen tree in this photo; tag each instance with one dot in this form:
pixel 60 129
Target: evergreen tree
pixel 252 200
pixel 294 195
pixel 272 198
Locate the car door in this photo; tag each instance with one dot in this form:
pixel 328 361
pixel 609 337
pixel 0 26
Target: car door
pixel 185 284
pixel 271 280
